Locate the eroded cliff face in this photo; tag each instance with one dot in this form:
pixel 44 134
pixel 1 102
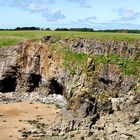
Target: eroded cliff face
pixel 27 67
pixel 103 47
pixel 36 66
pixel 91 91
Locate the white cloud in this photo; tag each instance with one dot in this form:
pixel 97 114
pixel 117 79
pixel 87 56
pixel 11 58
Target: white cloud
pixel 127 15
pixel 54 15
pixel 86 21
pixel 29 5
pixel 35 7
pixel 82 3
pixel 39 6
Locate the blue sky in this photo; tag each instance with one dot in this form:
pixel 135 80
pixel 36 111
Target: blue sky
pixel 97 14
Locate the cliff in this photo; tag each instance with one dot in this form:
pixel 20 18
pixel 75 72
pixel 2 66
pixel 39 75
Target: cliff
pixel 95 77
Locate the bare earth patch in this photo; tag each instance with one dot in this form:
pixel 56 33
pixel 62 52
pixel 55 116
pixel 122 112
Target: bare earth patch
pixel 14 115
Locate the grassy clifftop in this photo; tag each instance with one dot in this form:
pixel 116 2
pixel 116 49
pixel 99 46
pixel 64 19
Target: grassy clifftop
pixel 72 60
pixel 14 37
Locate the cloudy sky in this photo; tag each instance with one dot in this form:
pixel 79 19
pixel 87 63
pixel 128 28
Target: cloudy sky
pixel 97 14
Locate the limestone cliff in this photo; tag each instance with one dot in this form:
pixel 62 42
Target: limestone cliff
pixel 100 77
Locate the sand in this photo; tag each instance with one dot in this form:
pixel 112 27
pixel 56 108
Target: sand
pixel 12 114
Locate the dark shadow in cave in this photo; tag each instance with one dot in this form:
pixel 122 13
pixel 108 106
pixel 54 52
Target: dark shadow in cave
pixel 8 84
pixel 33 82
pixel 55 87
pixel 105 81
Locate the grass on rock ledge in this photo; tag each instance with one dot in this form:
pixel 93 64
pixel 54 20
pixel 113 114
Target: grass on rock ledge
pixel 74 60
pixel 129 66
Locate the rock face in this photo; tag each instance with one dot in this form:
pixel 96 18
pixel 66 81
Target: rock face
pixel 35 69
pixel 99 47
pixel 26 67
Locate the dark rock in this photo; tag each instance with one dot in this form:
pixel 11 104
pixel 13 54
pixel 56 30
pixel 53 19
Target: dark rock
pixel 33 82
pixel 105 107
pixel 86 109
pixel 137 98
pixel 49 38
pixel 105 80
pixel 82 138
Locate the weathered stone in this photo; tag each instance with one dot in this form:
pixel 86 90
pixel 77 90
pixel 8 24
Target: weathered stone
pixel 49 38
pixel 89 96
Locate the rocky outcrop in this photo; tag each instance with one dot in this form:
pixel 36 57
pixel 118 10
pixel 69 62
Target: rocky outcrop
pixel 103 47
pixel 26 67
pixel 34 70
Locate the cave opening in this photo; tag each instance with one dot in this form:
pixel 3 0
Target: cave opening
pixel 33 82
pixel 8 84
pixel 55 87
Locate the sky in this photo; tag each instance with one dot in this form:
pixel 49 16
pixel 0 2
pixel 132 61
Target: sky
pixel 96 14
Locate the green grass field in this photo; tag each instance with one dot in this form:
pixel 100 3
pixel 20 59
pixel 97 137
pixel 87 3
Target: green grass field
pixel 14 37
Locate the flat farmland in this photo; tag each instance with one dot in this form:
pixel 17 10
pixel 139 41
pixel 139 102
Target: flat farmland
pixel 14 37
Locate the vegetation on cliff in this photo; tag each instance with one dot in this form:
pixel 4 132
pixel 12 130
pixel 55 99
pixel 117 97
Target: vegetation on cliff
pixel 74 60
